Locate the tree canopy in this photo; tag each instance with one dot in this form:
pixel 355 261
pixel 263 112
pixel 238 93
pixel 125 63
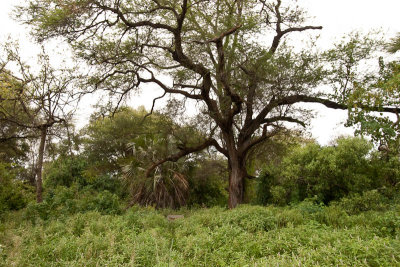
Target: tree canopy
pixel 33 103
pixel 229 58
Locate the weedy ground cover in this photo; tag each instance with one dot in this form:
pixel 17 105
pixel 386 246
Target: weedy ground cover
pixel 306 234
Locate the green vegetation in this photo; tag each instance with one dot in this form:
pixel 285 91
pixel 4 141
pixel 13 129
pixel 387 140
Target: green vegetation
pixel 230 134
pixel 308 234
pixel 14 194
pixel 348 167
pixel 86 218
pixel 234 63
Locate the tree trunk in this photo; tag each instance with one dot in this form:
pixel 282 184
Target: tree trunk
pixel 32 176
pixel 237 174
pixel 39 166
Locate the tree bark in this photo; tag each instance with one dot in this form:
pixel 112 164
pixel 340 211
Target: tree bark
pixel 39 167
pixel 237 174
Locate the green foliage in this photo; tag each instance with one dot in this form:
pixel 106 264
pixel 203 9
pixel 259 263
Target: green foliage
pixel 369 200
pixel 106 141
pixel 307 234
pixel 344 61
pixel 63 201
pixel 14 195
pixel 278 195
pixel 383 90
pixel 367 92
pixel 65 171
pixel 12 148
pixel 266 181
pixel 129 143
pixel 208 183
pixel 71 170
pixel 327 173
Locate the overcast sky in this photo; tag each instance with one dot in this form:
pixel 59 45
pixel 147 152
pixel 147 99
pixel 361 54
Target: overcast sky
pixel 337 17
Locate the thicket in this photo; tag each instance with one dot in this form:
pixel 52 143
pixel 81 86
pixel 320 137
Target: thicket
pixel 14 194
pixel 106 166
pixel 366 232
pixel 124 147
pixel 328 173
pixel 349 168
pixel 341 205
pixel 108 159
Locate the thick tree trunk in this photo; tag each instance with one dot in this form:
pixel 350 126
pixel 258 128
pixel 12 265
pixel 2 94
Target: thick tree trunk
pixel 39 166
pixel 236 186
pixel 237 174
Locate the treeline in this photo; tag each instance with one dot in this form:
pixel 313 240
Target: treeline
pixel 104 168
pixel 111 156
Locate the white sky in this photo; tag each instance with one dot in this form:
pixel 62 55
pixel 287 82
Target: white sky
pixel 338 17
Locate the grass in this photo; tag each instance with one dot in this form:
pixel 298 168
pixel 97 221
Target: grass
pixel 302 235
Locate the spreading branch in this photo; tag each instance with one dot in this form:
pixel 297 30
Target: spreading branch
pixel 184 151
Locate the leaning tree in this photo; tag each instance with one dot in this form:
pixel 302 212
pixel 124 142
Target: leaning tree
pixel 229 58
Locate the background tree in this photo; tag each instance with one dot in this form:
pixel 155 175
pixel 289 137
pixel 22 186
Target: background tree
pixel 123 146
pixel 33 102
pixel 348 167
pixel 228 57
pixel 368 88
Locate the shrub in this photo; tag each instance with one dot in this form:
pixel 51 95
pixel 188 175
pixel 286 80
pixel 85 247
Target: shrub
pixel 265 181
pixel 104 202
pixel 63 201
pixel 14 195
pixel 72 170
pixel 106 182
pixel 278 195
pixel 208 183
pixel 65 171
pixel 329 173
pixel 369 200
pixel 310 206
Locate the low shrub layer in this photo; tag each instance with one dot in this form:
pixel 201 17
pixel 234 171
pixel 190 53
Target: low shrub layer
pixel 308 234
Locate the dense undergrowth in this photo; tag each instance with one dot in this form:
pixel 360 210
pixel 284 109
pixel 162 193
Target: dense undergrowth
pixel 363 230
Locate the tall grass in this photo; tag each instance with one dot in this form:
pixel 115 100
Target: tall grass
pixel 303 235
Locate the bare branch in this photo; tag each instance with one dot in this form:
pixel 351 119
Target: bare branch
pixel 152 106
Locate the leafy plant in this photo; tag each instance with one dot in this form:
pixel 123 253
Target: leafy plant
pixel 14 195
pixel 329 173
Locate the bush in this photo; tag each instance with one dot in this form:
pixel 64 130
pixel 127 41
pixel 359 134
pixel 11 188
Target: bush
pixel 329 173
pixel 63 201
pixel 265 181
pixel 14 195
pixel 104 202
pixel 310 206
pixel 107 183
pixel 208 183
pixel 278 195
pixel 65 171
pixel 369 200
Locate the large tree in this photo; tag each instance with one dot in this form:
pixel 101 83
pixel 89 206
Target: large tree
pixel 229 57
